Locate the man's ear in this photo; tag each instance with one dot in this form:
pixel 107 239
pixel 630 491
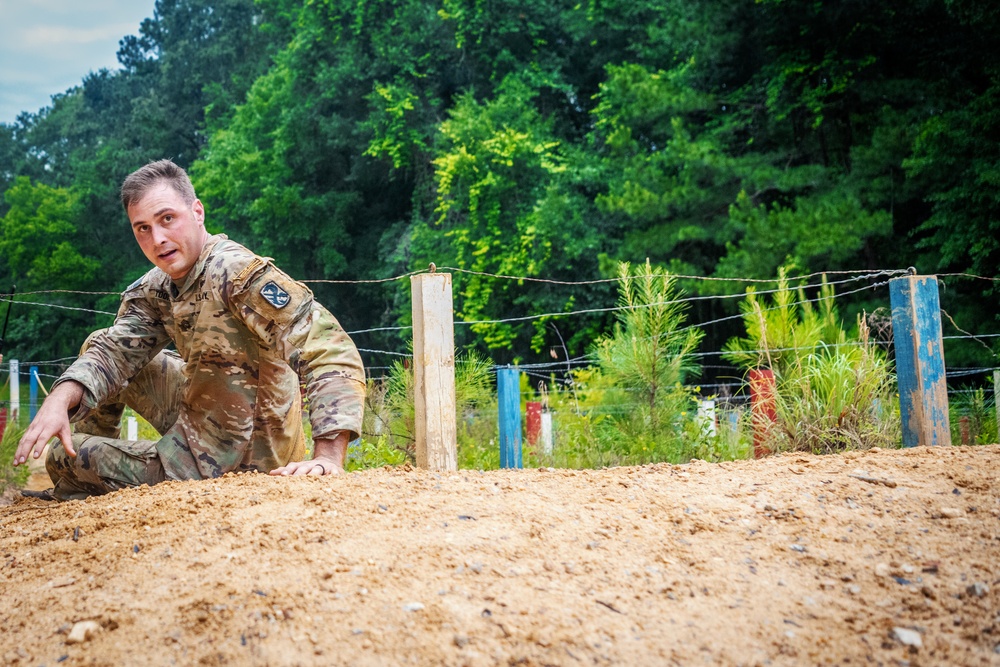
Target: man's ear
pixel 199 210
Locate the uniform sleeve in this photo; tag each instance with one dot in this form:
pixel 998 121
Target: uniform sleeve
pixel 284 315
pixel 114 355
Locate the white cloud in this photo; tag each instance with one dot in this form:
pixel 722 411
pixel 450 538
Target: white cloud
pixel 60 36
pixel 48 46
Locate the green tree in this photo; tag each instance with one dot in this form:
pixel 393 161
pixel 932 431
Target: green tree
pixel 501 210
pixel 38 251
pixel 37 238
pixel 650 350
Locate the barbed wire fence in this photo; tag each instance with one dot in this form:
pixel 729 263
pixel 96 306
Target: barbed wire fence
pixel 558 373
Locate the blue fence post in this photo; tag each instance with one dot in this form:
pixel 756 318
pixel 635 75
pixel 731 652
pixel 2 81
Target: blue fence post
pixel 916 332
pixel 33 391
pixel 509 399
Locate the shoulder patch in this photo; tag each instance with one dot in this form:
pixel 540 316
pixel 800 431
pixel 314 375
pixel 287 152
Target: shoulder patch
pixel 138 281
pixel 275 295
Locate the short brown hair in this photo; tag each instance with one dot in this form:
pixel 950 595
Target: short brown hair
pixel 140 181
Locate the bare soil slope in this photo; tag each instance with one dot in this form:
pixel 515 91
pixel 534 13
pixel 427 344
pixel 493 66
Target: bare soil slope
pixel 882 557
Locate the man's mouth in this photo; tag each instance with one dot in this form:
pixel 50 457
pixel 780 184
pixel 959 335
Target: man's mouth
pixel 167 255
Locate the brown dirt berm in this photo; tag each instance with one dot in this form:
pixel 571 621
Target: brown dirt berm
pixel 796 559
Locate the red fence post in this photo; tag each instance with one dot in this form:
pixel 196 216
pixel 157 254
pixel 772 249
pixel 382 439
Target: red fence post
pixel 534 421
pixel 3 421
pixel 763 408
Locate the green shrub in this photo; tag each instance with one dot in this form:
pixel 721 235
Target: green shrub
pixel 834 391
pixel 633 408
pixel 373 453
pixel 597 425
pixel 9 475
pixel 980 410
pixel 389 425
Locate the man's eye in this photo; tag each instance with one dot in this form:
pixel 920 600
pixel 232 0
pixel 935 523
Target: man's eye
pixel 168 218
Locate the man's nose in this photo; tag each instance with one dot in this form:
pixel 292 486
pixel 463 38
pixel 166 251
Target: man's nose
pixel 158 236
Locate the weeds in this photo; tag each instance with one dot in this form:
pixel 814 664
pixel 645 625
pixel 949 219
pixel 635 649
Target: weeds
pixel 979 411
pixel 9 475
pixel 389 426
pixel 834 392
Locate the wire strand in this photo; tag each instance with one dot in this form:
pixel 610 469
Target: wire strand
pixel 55 305
pixel 795 303
pixel 966 275
pixel 609 309
pixel 672 275
pixel 366 281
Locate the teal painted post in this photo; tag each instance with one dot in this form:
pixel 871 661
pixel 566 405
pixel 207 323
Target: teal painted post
pixel 916 332
pixel 996 399
pixel 32 391
pixel 509 398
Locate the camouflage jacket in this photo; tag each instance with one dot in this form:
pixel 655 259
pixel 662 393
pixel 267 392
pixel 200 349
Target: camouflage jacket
pixel 248 335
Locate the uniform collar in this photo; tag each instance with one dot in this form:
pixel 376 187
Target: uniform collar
pixel 199 267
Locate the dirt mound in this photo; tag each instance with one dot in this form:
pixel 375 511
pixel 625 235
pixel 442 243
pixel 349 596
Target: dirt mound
pixel 882 557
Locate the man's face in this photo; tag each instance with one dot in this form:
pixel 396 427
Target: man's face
pixel 170 232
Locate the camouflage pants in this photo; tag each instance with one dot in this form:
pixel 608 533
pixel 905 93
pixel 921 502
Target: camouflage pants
pixel 106 463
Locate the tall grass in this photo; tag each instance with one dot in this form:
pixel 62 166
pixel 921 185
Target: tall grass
pixel 633 407
pixel 834 391
pixel 599 425
pixel 9 475
pixel 388 436
pixel 979 409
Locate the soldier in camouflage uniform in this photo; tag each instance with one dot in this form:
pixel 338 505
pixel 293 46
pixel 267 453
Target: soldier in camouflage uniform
pixel 246 336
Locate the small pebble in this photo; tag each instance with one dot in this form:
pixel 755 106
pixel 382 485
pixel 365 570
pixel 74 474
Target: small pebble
pixel 413 606
pixel 461 641
pixel 907 637
pixel 952 512
pixel 82 632
pixel 979 589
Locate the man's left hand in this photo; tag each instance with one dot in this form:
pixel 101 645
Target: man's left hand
pixel 312 467
pixel 328 460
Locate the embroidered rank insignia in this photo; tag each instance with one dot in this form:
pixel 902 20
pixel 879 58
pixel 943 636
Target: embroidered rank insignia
pixel 249 268
pixel 274 295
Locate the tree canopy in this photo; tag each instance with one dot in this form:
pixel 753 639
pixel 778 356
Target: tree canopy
pixel 359 141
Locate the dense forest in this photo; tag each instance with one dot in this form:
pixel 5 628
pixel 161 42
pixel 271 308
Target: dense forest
pixel 355 141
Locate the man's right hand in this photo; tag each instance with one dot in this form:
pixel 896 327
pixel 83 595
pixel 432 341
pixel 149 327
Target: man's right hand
pixel 52 420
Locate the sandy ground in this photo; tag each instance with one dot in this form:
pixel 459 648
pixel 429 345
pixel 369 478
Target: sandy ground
pixel 882 558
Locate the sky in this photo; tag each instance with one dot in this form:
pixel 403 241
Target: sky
pixel 48 46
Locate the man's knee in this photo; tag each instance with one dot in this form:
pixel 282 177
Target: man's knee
pixel 102 465
pixel 62 468
pixel 58 463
